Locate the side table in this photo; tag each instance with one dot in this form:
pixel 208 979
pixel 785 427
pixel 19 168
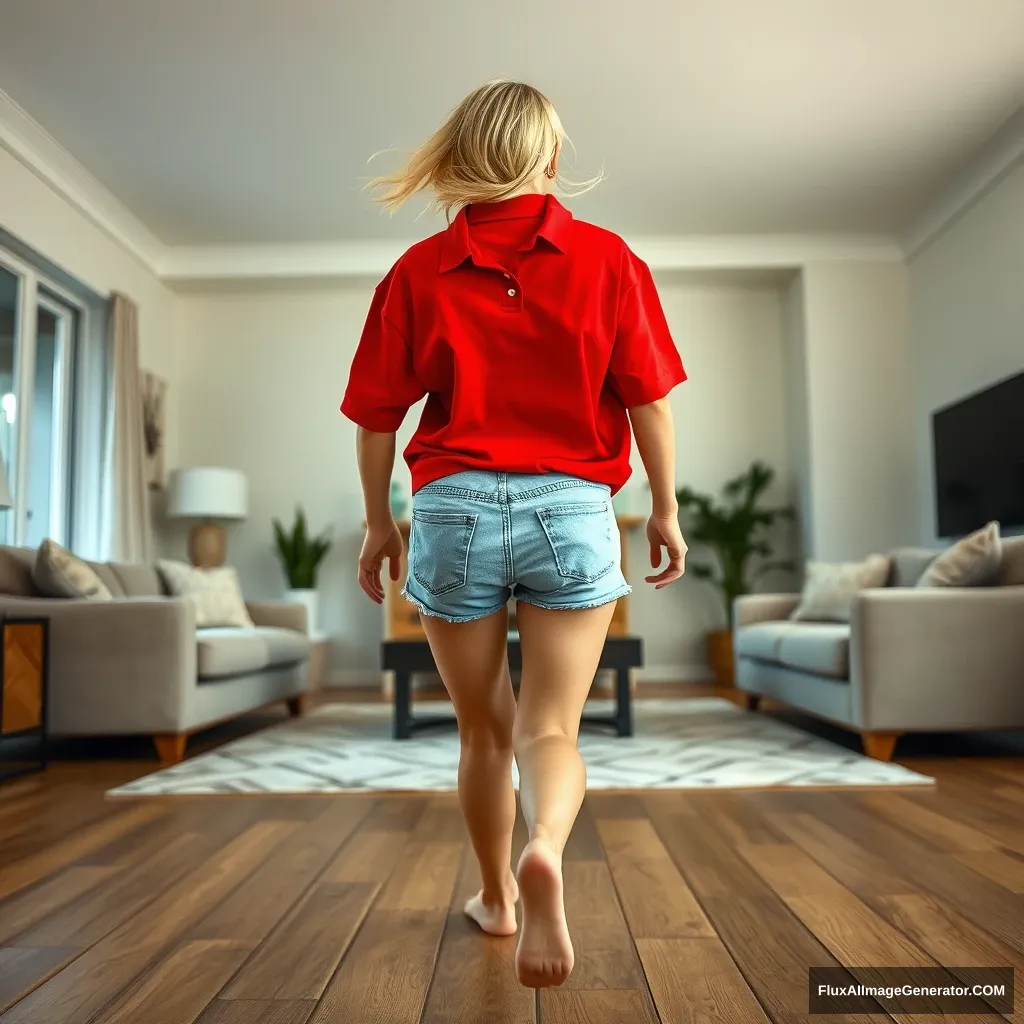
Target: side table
pixel 24 675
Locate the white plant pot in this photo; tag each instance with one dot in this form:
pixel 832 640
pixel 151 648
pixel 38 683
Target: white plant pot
pixel 311 600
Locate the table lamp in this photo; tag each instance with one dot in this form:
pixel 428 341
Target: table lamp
pixel 207 493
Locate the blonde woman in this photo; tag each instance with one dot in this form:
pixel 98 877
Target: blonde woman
pixel 538 341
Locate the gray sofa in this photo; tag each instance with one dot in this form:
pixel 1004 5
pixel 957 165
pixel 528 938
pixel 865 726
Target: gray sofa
pixel 138 665
pixel 910 660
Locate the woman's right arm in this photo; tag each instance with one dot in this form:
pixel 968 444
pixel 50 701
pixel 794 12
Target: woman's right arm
pixel 655 441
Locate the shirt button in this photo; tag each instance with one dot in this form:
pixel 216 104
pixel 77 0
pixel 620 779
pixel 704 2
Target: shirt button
pixel 511 292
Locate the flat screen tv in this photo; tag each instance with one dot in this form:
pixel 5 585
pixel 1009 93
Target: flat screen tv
pixel 978 446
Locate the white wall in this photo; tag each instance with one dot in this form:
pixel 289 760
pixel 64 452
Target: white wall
pixel 43 220
pixel 966 317
pixel 859 392
pixel 798 440
pixel 263 371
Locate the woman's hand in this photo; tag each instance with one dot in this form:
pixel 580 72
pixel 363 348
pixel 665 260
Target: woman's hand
pixel 382 541
pixel 664 532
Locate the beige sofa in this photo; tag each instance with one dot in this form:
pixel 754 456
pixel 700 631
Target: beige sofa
pixel 910 660
pixel 138 665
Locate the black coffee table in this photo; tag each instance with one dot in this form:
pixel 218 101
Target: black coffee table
pixel 404 657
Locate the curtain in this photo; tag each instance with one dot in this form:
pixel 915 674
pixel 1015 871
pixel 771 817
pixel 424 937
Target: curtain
pixel 127 520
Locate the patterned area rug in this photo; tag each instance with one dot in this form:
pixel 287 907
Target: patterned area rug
pixel 704 743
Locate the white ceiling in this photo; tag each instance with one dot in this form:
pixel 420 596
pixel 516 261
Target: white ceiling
pixel 251 121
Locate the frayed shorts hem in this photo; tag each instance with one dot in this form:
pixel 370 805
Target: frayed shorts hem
pixel 442 615
pixel 578 606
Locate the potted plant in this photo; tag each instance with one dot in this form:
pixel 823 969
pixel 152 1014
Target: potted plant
pixel 301 555
pixel 734 533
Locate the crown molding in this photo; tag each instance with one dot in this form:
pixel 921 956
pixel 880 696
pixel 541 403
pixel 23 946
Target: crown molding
pixel 1000 157
pixel 373 258
pixel 29 143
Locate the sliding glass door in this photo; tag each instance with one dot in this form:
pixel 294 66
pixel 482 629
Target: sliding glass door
pixel 38 330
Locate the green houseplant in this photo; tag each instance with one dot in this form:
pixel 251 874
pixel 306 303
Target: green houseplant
pixel 301 555
pixel 734 533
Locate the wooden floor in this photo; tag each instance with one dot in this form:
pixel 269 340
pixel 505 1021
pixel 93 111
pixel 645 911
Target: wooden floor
pixel 685 906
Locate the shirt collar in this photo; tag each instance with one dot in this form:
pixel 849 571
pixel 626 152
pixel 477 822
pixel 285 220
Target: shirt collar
pixel 457 245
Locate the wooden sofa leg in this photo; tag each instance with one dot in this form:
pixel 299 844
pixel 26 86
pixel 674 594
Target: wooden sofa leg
pixel 880 745
pixel 750 701
pixel 170 747
pixel 298 706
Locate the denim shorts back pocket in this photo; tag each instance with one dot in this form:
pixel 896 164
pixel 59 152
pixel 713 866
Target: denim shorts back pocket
pixel 582 538
pixel 439 549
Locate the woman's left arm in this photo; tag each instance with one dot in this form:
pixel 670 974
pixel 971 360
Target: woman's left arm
pixel 375 453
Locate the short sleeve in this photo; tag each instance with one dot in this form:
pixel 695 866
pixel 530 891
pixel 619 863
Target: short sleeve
pixel 382 384
pixel 645 363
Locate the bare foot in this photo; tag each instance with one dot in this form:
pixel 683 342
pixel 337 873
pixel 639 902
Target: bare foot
pixel 495 918
pixel 545 956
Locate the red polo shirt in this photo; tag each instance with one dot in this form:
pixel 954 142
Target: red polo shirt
pixel 529 332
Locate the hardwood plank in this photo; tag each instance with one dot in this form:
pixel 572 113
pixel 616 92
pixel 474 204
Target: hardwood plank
pixel 369 856
pixel 857 936
pixel 386 974
pixel 31 905
pixel 78 993
pixel 180 985
pixel 300 957
pixel 605 805
pixel 24 872
pixel 85 920
pixel 81 990
pixel 594 1006
pixel 695 980
pixel 258 904
pixel 990 906
pixel 937 828
pixel 657 902
pixel 584 843
pixel 744 910
pixel 862 872
pixel 1001 866
pixel 606 958
pixel 423 878
pixel 950 938
pixel 474 978
pixel 399 814
pixel 248 1011
pixel 441 822
pixel 22 969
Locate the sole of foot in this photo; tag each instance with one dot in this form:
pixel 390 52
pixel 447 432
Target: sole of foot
pixel 545 955
pixel 494 919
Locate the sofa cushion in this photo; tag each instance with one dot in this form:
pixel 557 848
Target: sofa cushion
pixel 908 564
pixel 1012 572
pixel 974 561
pixel 59 573
pixel 760 640
pixel 109 578
pixel 822 648
pixel 224 651
pixel 830 588
pixel 139 580
pixel 215 593
pixel 16 572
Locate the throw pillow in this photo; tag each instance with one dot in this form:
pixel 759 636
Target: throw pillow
pixel 974 561
pixel 59 573
pixel 830 588
pixel 215 593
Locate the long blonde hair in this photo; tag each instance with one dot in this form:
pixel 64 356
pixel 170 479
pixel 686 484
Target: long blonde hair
pixel 497 141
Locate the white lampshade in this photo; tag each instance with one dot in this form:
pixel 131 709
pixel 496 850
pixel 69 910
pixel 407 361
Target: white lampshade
pixel 5 489
pixel 206 492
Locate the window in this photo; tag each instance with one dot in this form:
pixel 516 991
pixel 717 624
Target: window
pixel 43 341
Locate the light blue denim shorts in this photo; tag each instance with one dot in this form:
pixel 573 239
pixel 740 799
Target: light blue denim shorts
pixel 478 539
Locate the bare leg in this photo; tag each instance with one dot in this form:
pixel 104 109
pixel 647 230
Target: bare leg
pixel 561 650
pixel 472 658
